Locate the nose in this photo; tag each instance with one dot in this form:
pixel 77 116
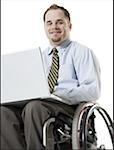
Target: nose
pixel 54 26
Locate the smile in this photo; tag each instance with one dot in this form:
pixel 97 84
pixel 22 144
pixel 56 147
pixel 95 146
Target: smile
pixel 55 32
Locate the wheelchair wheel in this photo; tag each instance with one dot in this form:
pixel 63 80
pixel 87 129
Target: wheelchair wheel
pixel 82 136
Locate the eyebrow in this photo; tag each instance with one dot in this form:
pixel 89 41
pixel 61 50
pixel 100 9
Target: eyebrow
pixel 48 21
pixel 56 20
pixel 59 19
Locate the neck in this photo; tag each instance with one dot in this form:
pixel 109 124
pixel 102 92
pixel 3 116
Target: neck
pixel 55 44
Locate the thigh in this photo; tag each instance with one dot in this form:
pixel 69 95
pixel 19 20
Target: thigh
pixel 60 107
pixel 49 106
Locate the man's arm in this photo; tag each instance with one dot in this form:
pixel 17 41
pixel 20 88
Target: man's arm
pixel 88 74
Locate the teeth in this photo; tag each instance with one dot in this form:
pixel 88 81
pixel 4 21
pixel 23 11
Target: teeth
pixel 55 32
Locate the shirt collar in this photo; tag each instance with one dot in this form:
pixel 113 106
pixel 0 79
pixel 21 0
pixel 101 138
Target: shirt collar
pixel 61 47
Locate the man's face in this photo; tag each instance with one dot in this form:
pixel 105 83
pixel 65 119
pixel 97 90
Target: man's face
pixel 57 26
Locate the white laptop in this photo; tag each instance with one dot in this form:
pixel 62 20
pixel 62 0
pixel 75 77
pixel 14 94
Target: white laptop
pixel 23 77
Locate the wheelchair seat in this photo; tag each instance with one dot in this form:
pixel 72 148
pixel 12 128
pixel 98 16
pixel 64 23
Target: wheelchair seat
pixel 76 132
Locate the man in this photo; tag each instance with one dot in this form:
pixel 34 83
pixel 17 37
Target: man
pixel 77 80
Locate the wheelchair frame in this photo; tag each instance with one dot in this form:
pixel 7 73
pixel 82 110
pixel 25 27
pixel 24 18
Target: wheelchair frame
pixel 80 133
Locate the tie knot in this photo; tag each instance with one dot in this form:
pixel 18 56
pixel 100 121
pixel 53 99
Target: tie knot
pixel 54 51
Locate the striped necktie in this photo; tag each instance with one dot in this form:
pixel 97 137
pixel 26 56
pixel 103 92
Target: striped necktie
pixel 54 69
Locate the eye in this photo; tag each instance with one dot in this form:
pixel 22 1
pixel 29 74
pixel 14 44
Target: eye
pixel 60 22
pixel 48 23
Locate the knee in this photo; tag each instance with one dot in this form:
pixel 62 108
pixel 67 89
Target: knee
pixel 7 115
pixel 4 111
pixel 34 107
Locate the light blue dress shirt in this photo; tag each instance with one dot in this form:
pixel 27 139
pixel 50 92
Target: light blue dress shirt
pixel 79 72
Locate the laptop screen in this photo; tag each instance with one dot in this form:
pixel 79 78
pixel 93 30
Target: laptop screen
pixel 23 76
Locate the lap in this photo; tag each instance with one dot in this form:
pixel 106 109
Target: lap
pixel 54 106
pixel 38 104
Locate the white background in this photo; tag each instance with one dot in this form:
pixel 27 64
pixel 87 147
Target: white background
pixel 92 25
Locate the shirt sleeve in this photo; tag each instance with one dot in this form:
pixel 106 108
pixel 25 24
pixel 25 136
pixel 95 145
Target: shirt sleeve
pixel 88 73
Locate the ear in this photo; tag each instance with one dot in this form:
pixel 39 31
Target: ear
pixel 70 25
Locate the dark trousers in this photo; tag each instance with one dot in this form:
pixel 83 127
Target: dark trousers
pixel 22 126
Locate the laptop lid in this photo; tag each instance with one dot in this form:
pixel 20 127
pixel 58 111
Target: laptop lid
pixel 23 76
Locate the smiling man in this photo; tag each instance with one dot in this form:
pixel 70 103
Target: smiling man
pixel 73 74
pixel 57 26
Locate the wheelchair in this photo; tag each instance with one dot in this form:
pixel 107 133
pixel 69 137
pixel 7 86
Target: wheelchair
pixel 77 132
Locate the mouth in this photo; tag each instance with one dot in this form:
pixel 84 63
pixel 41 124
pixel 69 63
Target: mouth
pixel 55 32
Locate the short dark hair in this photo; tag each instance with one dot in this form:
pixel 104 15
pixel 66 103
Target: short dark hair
pixel 54 6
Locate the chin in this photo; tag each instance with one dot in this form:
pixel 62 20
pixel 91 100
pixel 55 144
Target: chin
pixel 56 40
